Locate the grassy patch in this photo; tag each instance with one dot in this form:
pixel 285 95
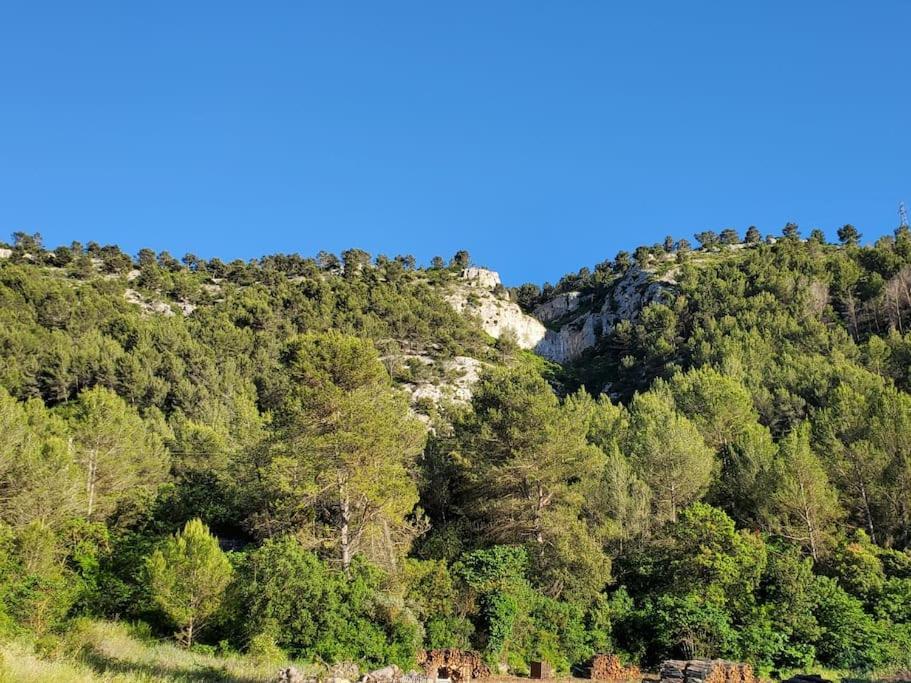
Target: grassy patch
pixel 95 652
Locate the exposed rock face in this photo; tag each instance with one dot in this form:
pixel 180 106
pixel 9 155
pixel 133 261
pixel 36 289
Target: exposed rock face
pixel 630 294
pixel 6 253
pixel 148 307
pixel 156 307
pixel 344 671
pixel 481 277
pixel 459 376
pixel 572 339
pixel 289 675
pixel 479 293
pixel 556 308
pixel 476 295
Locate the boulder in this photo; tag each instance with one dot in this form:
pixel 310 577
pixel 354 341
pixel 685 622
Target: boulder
pixel 344 670
pixel 388 674
pixel 289 675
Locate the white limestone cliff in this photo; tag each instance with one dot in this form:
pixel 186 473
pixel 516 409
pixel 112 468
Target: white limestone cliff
pixel 480 293
pixel 630 294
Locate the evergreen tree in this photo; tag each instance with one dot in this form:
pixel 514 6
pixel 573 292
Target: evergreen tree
pixel 803 505
pixel 707 239
pixel 668 453
pixel 791 232
pixel 848 235
pixel 346 445
pixel 118 453
pixel 187 578
pixel 530 467
pixel 729 236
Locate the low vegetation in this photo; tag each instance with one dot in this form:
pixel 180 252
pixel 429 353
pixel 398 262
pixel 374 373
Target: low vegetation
pixel 104 652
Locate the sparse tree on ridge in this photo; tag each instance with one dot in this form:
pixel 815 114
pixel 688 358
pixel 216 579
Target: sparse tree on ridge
pixel 707 239
pixel 729 236
pixel 848 235
pixel 461 259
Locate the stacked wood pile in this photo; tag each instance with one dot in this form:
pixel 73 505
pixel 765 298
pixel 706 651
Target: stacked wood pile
pixel 457 665
pixel 705 671
pixel 604 667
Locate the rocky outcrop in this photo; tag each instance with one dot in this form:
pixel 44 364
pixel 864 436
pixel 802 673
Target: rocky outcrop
pixel 388 674
pixel 480 294
pixel 572 339
pixel 459 375
pixel 152 307
pixel 481 277
pixel 558 307
pixel 290 674
pixel 626 299
pixel 148 307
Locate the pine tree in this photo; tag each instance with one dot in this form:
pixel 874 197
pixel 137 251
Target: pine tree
pixel 346 445
pixel 117 451
pixel 803 505
pixel 187 578
pixel 531 472
pixel 668 453
pixel 848 235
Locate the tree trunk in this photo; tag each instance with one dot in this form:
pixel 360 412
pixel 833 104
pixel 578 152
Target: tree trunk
pixel 673 501
pixel 866 501
pixel 539 535
pixel 344 541
pixel 90 482
pixel 808 520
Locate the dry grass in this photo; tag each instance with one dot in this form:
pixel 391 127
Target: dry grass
pixel 102 652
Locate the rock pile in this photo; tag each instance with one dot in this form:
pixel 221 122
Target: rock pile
pixel 705 671
pixel 388 674
pixel 456 665
pixel 343 671
pixel 604 667
pixel 290 675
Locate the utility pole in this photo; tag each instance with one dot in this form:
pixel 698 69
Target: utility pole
pixel 902 215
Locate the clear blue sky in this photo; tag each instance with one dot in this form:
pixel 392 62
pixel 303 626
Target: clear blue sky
pixel 540 136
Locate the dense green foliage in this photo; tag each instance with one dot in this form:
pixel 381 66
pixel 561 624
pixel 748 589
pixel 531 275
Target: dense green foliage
pixel 740 490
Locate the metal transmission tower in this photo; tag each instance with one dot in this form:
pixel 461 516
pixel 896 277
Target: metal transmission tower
pixel 902 215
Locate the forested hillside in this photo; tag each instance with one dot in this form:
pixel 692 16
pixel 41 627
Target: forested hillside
pixel 240 456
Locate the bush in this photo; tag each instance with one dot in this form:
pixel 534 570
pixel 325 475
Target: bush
pixel 286 593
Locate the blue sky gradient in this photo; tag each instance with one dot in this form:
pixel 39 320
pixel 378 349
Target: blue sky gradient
pixel 539 136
